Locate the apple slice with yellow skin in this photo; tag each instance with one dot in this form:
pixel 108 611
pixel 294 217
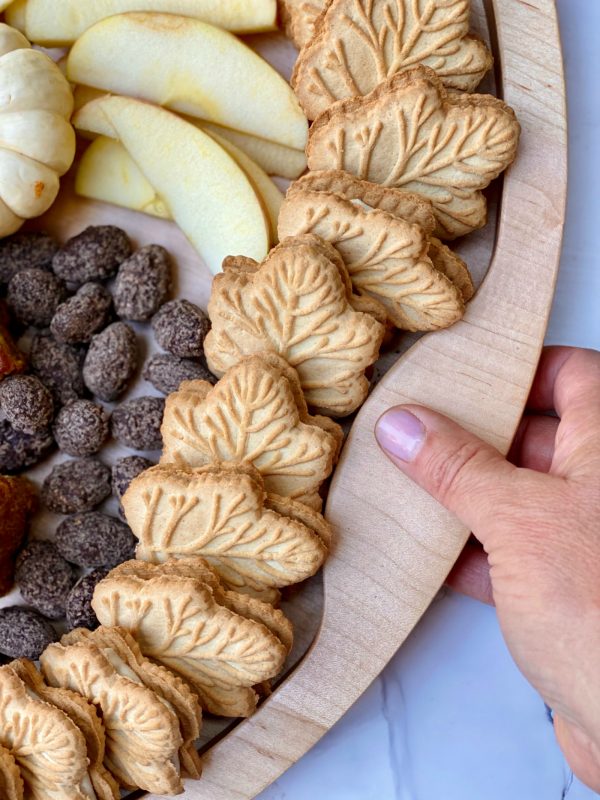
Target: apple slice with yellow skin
pixel 203 71
pixel 91 121
pixel 207 194
pixel 108 173
pixel 4 4
pixel 273 158
pixel 59 23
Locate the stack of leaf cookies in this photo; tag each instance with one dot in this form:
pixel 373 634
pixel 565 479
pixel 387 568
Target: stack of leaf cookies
pixel 99 716
pixel 398 153
pixel 399 157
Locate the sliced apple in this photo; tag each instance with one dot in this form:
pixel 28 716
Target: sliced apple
pixel 207 194
pixel 108 173
pixel 58 23
pixel 271 195
pixel 91 119
pixel 275 159
pixel 4 4
pixel 191 67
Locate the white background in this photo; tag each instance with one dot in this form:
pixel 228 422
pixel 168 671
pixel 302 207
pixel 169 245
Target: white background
pixel 451 718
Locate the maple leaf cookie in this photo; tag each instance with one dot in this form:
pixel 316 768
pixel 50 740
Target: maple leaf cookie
pixel 142 733
pixel 165 684
pixel 297 304
pixel 298 18
pixel 252 416
pixel 388 255
pixel 197 568
pixel 411 134
pixel 11 782
pixel 358 44
pixel 84 715
pixel 48 748
pixel 178 623
pixel 221 515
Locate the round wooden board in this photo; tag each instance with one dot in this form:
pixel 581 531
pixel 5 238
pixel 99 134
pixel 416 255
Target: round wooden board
pixel 394 545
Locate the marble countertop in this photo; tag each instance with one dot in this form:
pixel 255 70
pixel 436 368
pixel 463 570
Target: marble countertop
pixel 451 718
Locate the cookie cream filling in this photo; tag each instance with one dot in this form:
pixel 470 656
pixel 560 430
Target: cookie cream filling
pixel 120 666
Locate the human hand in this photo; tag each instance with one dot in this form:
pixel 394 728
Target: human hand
pixel 538 520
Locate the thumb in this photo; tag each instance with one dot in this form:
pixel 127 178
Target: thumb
pixel 468 476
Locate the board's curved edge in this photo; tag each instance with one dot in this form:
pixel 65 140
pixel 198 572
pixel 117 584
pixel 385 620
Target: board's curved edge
pixel 479 372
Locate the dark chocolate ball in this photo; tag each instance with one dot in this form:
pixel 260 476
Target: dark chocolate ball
pixel 76 486
pixel 137 422
pixel 80 613
pixel 44 578
pixel 180 328
pixel 26 403
pixel 92 255
pixel 111 361
pixel 95 540
pixel 81 428
pixel 24 633
pixel 34 295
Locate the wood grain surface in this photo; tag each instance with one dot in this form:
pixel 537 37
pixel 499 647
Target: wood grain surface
pixel 395 545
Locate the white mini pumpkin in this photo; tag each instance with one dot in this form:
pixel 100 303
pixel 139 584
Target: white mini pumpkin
pixel 37 142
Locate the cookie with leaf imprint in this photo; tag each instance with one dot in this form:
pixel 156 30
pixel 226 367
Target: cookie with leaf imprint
pixel 300 305
pixel 358 44
pixel 143 737
pixel 48 748
pixel 117 644
pixel 183 623
pixel 411 134
pixel 384 238
pixel 363 303
pixel 84 715
pixel 256 414
pixel 196 568
pixel 223 514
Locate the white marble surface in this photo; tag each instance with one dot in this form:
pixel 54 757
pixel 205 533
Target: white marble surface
pixel 451 718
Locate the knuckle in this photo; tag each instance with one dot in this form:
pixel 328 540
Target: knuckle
pixel 448 472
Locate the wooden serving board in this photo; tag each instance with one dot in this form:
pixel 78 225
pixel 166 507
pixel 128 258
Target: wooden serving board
pixel 394 545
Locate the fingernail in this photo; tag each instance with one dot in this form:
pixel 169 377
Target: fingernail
pixel 400 434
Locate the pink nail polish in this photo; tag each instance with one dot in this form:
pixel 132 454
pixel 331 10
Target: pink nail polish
pixel 400 434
